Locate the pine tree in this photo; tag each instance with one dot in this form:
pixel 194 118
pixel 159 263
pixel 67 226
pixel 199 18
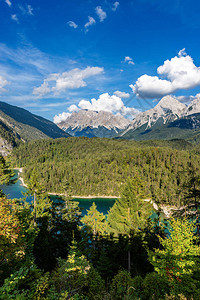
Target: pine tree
pixel 191 194
pixel 94 220
pixel 41 201
pixel 71 211
pixel 131 211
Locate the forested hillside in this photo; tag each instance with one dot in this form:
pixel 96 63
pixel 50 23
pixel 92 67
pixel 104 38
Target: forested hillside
pixel 101 166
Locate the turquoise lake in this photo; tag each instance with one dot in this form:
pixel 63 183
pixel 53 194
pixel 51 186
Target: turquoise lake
pixel 15 190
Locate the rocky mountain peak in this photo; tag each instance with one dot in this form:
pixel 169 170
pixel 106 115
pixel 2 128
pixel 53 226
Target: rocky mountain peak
pixel 94 123
pixel 170 104
pixel 85 118
pixel 194 106
pixel 168 109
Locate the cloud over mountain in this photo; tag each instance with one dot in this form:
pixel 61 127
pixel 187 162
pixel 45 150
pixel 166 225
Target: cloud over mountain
pixel 105 102
pixel 176 74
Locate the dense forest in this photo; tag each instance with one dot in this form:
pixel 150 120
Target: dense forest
pixel 47 251
pixel 101 166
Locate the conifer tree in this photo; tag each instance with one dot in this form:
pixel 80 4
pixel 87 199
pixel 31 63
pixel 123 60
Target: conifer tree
pixel 41 201
pixel 131 211
pixel 71 211
pixel 94 220
pixel 178 259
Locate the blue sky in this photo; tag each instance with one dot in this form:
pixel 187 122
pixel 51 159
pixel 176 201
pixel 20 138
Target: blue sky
pixel 121 56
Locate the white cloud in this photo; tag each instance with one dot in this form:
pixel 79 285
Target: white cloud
pixel 122 94
pixel 151 87
pixel 29 10
pixel 101 14
pixel 89 23
pixel 72 24
pixel 15 18
pixel 42 90
pixel 182 52
pixel 180 73
pixel 129 60
pixel 105 102
pixel 3 82
pixel 115 6
pixel 61 117
pixel 8 2
pixel 72 79
pixel 73 107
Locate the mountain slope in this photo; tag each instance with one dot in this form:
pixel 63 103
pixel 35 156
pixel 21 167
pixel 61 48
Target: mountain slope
pixel 19 124
pixel 187 128
pixel 90 123
pixel 167 110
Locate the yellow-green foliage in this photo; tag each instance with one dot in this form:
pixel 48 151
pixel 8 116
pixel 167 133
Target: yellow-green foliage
pixel 178 260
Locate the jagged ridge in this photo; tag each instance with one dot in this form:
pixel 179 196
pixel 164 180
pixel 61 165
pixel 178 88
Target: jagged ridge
pixel 94 124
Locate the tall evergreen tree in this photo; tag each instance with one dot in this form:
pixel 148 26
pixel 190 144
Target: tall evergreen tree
pixel 131 211
pixel 71 210
pixel 94 220
pixel 191 195
pixel 41 200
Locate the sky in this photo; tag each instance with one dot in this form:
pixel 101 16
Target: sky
pixel 57 57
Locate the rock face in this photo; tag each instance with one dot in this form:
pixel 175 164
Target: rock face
pixel 94 124
pixel 169 119
pixel 5 147
pixel 193 107
pixel 167 110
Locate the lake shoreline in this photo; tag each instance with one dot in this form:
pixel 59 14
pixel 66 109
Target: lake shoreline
pixel 59 194
pixel 85 197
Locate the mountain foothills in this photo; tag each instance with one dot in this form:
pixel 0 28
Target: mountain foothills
pixel 90 123
pixel 17 124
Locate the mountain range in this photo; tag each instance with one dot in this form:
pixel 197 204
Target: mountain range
pixel 94 124
pixel 169 119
